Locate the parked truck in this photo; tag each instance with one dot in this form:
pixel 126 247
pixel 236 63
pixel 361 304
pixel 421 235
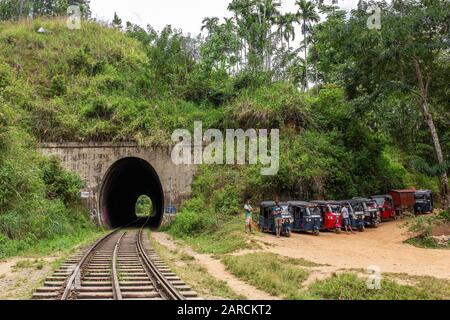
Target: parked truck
pixel 404 200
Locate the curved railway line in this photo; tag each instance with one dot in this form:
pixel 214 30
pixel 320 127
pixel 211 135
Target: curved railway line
pixel 119 266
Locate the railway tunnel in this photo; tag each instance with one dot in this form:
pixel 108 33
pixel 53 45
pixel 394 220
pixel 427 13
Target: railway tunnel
pixel 124 182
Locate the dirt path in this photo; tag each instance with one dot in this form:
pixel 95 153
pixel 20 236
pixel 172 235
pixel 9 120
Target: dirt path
pixel 382 247
pixel 216 269
pixel 20 276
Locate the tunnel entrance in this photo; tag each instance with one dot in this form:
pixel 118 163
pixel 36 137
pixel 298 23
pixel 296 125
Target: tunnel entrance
pixel 125 182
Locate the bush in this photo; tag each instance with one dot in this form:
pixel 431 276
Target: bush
pixel 445 215
pixel 189 223
pixel 60 184
pixel 423 225
pixel 274 106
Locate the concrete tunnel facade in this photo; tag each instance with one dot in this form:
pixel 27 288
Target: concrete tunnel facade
pixel 116 174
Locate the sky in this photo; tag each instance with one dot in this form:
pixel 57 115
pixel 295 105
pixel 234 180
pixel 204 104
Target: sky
pixel 185 14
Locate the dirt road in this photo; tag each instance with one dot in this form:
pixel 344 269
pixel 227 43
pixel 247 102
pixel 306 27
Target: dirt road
pixel 382 247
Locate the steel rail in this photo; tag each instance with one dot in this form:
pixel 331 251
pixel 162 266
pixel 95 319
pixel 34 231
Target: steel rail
pixel 165 288
pixel 77 270
pixel 117 294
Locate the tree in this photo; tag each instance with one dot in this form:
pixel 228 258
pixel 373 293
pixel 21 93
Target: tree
pixel 14 9
pixel 117 22
pixel 407 56
pixel 308 15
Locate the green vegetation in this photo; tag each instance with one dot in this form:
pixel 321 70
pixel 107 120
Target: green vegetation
pixel 348 286
pixel 272 273
pixel 422 227
pixel 228 236
pixel 144 206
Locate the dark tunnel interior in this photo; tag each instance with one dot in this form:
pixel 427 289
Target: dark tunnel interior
pixel 124 183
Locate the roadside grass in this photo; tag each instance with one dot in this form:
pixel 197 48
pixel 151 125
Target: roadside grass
pixel 37 264
pixel 437 288
pixel 425 243
pixel 274 274
pixel 194 275
pixel 423 227
pixel 348 286
pixel 61 244
pixel 229 238
pixel 61 248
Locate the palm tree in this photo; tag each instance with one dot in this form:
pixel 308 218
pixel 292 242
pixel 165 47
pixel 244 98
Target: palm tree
pixel 210 24
pixel 307 15
pixel 281 22
pixel 289 31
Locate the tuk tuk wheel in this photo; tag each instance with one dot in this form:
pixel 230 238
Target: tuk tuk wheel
pixel 288 234
pixel 362 229
pixel 338 230
pixel 316 233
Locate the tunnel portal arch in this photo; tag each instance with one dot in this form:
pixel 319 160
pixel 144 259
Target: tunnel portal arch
pixel 124 182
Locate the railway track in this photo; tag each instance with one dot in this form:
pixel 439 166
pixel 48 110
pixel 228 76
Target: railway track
pixel 122 265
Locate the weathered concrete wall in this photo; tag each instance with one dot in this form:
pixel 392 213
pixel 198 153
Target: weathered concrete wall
pixel 92 161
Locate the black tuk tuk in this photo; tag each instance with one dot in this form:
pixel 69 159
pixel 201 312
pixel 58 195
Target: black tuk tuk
pixel 307 217
pixel 424 202
pixel 267 220
pixel 356 211
pixel 372 215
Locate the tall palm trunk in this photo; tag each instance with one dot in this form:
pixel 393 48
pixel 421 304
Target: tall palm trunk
pixel 21 8
pixel 423 87
pixel 306 56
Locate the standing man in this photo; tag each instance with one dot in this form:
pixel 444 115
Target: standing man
pixel 277 211
pixel 346 218
pixel 248 209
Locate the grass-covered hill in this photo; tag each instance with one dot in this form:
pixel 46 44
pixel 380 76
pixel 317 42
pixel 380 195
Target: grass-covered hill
pixel 101 84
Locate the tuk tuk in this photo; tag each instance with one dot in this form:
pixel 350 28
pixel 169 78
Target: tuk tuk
pixel 386 207
pixel 371 213
pixel 357 216
pixel 307 217
pixel 331 215
pixel 267 220
pixel 424 202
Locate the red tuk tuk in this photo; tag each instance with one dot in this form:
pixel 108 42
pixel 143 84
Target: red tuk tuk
pixel 404 200
pixel 386 207
pixel 331 215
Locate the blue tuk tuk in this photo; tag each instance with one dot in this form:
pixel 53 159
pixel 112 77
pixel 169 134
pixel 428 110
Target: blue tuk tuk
pixel 424 202
pixel 371 212
pixel 267 221
pixel 307 217
pixel 357 216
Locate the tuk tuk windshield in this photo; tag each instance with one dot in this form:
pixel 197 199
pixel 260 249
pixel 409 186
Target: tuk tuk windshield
pixel 334 208
pixel 379 201
pixel 358 207
pixel 371 204
pixel 422 197
pixel 314 211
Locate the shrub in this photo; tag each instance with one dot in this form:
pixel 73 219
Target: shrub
pixel 58 182
pixel 189 223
